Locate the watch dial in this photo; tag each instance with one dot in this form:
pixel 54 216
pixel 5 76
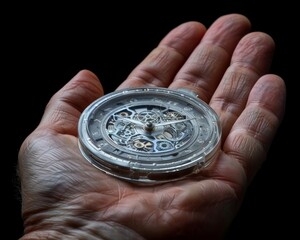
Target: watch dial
pixel 149 134
pixel 148 129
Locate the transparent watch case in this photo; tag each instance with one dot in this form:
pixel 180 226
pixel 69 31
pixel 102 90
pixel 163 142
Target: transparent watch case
pixel 149 135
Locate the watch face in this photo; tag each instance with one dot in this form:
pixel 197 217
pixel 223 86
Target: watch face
pixel 149 135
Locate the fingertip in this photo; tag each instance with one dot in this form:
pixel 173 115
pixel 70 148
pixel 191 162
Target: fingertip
pixel 188 28
pixel 238 17
pixel 194 25
pixel 85 73
pixel 83 81
pixel 185 37
pixel 270 93
pixel 66 104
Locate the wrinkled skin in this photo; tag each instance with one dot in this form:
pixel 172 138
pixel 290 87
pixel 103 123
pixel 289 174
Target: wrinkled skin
pixel 64 197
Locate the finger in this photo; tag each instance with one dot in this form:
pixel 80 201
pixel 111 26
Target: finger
pixel 161 65
pixel 207 64
pixel 251 135
pixel 64 108
pixel 251 59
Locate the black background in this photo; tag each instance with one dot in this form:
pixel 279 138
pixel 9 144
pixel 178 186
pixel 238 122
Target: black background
pixel 52 43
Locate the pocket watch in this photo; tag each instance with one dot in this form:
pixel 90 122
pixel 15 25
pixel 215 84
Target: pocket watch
pixel 149 135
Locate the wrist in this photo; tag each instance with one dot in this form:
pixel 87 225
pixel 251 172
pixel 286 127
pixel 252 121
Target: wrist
pixel 70 229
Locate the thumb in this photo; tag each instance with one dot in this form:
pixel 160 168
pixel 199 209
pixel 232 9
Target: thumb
pixel 64 108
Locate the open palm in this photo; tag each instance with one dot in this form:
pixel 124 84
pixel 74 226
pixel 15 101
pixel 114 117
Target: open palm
pixel 226 65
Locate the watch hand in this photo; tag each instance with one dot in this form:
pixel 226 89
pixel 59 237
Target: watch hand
pixel 157 124
pixel 133 121
pixel 175 121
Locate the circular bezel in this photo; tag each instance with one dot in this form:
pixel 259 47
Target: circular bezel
pixel 117 157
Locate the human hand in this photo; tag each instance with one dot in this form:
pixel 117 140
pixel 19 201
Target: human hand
pixel 65 197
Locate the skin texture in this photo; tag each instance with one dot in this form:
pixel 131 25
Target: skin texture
pixel 64 197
